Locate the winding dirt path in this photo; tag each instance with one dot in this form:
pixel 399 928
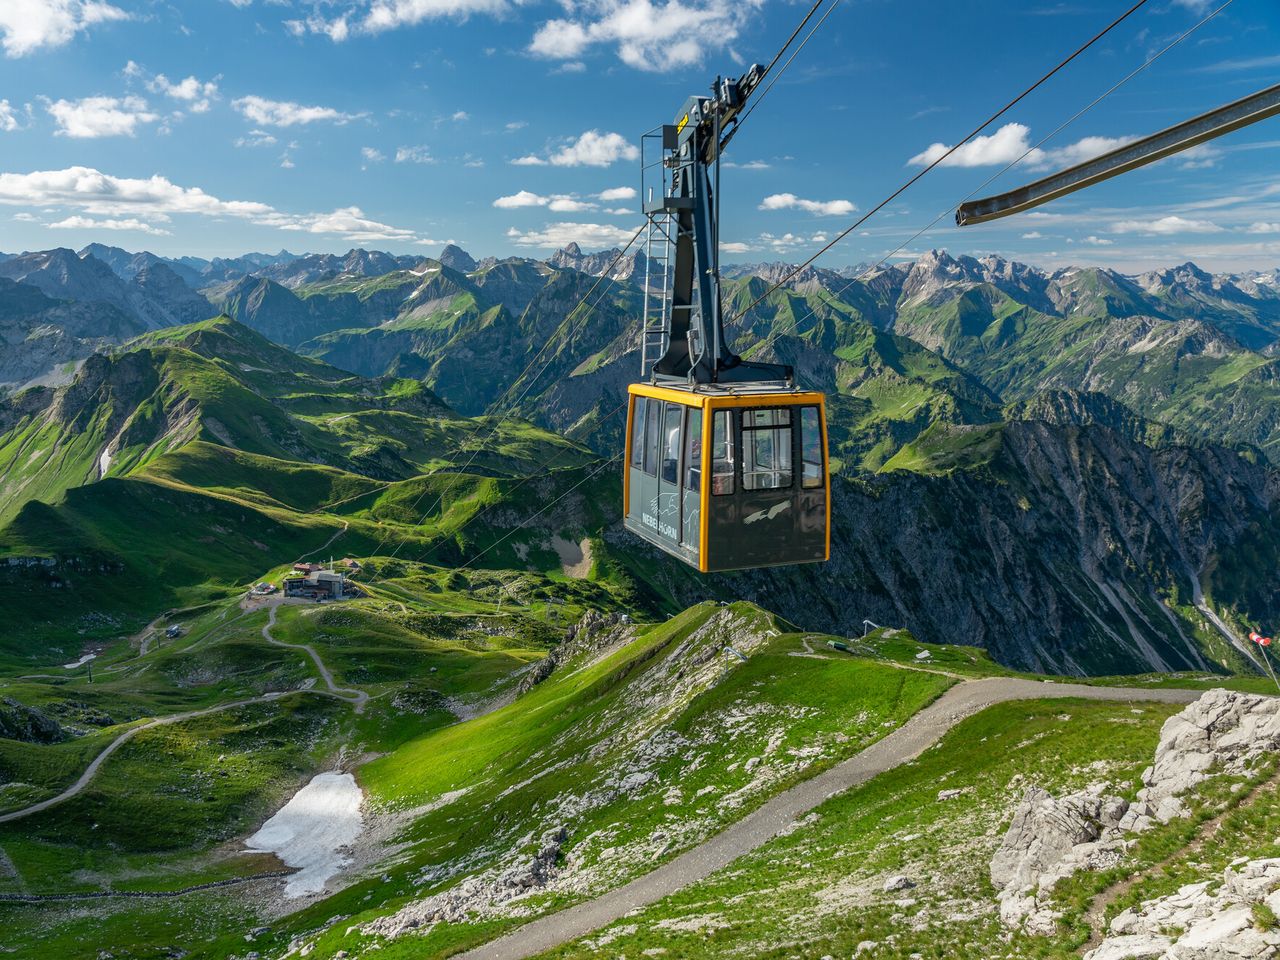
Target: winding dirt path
pixel 757 828
pixel 357 698
pixel 96 764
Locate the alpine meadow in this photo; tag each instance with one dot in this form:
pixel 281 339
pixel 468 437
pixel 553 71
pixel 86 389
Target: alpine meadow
pixel 635 525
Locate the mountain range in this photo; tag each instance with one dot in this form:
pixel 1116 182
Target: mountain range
pixel 1064 467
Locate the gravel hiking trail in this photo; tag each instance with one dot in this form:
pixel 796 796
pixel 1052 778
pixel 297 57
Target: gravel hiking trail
pixel 754 830
pixel 357 698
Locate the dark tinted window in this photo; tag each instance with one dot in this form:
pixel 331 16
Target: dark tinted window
pixel 637 432
pixel 693 451
pixel 766 448
pixel 812 469
pixel 653 411
pixel 722 451
pixel 671 442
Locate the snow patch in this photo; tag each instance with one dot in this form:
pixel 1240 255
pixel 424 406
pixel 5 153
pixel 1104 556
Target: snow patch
pixel 312 831
pixel 104 463
pixel 81 662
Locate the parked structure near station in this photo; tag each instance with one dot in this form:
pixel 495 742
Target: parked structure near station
pixel 318 584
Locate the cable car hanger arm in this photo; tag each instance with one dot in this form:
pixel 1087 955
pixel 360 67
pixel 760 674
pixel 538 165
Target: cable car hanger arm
pixel 1183 136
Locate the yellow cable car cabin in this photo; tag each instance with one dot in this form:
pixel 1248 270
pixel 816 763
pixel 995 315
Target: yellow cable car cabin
pixel 726 460
pixel 727 479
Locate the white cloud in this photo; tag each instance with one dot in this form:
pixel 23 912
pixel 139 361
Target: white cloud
pixel 735 247
pixel 617 193
pixel 414 155
pixel 1094 241
pixel 560 203
pixel 348 222
pixel 286 113
pixel 591 149
pixel 1033 235
pixel 524 198
pixel 1263 227
pixel 1012 143
pixel 157 200
pixel 823 208
pixel 100 116
pixel 196 94
pixel 1165 226
pixel 91 191
pixel 256 138
pixel 389 14
pixel 8 119
pixel 89 223
pixel 644 34
pixel 749 165
pixel 555 235
pixel 28 25
pixel 566 204
pixel 372 155
pixel 515 125
pixel 1202 157
pixel 1004 146
pixel 1073 153
pixel 620 211
pixel 460 115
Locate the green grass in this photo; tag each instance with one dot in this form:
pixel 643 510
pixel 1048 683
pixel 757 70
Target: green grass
pixel 562 743
pixel 817 891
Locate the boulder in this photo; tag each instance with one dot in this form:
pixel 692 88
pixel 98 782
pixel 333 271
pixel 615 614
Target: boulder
pixel 899 882
pixel 1196 924
pixel 1049 839
pixel 1224 729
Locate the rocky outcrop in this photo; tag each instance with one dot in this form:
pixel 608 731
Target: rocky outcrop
pixel 484 895
pixel 21 722
pixel 595 631
pixel 1200 922
pixel 1050 839
pixel 1223 731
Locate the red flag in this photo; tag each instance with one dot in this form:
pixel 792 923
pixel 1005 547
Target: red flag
pixel 1260 640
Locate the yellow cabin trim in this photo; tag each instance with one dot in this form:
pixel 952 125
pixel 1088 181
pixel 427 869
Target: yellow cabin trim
pixel 708 403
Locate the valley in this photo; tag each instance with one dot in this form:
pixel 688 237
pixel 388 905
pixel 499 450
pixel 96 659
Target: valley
pixel 1054 513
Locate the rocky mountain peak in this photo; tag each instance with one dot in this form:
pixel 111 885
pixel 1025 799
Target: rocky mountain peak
pixel 455 258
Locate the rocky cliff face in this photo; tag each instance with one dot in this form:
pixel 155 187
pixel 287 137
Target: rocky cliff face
pixel 1060 555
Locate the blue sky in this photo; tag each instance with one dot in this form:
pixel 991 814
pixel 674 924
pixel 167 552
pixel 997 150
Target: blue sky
pixel 214 127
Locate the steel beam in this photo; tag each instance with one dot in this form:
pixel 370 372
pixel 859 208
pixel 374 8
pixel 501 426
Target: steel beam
pixel 1183 136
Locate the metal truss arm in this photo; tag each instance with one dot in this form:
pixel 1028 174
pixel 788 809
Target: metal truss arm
pixel 1175 139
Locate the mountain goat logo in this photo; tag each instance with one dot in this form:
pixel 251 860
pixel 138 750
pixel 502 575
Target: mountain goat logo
pixel 769 514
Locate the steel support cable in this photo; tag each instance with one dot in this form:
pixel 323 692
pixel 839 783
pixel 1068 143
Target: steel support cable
pixel 607 274
pixel 545 469
pixel 1013 163
pixel 541 510
pixel 794 33
pixel 809 36
pixel 947 154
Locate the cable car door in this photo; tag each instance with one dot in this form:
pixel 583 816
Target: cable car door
pixel 669 480
pixel 691 496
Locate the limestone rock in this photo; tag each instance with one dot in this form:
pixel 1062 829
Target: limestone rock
pixel 1194 924
pixel 899 882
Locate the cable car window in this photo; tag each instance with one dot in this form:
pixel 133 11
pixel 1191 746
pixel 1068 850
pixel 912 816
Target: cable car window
pixel 721 453
pixel 766 449
pixel 637 433
pixel 651 438
pixel 693 451
pixel 811 468
pixel 671 443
